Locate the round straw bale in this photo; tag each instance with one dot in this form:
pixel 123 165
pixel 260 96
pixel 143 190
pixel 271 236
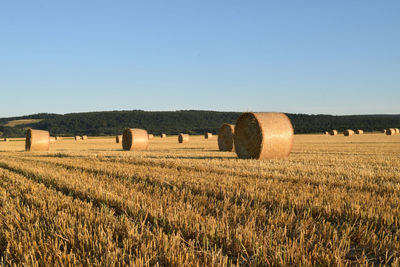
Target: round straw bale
pixel 84 137
pixel 78 138
pixel 163 135
pixel 348 132
pixel 225 137
pixel 183 138
pixel 135 139
pixel 263 135
pixel 52 140
pixel 397 130
pixel 118 139
pixel 359 131
pixel 37 140
pixel 58 138
pixel 383 131
pixel 208 135
pixel 151 136
pixel 326 133
pixel 390 131
pixel 6 139
pixel 333 132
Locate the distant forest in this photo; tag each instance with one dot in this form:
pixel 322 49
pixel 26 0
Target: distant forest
pixel 186 121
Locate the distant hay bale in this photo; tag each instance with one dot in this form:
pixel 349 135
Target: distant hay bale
pixel 183 138
pixel 78 138
pixel 37 140
pixel 390 131
pixel 135 139
pixel 397 130
pixel 333 132
pixel 263 135
pixel 151 136
pixel 208 135
pixel 6 139
pixel 359 131
pixel 84 137
pixel 384 131
pixel 348 132
pixel 326 133
pixel 163 135
pixel 52 140
pixel 118 139
pixel 225 137
pixel 58 138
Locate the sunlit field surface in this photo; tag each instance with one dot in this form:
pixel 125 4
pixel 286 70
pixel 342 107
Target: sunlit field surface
pixel 334 201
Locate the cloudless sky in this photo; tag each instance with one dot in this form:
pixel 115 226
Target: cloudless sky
pixel 330 57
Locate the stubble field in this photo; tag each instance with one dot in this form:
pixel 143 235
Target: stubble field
pixel 334 201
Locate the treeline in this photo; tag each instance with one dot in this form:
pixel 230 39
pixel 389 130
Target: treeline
pixel 187 121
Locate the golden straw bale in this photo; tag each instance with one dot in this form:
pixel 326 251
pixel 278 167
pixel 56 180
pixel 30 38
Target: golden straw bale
pixel 118 139
pixel 326 133
pixel 225 137
pixel 384 131
pixel 397 130
pixel 151 136
pixel 359 131
pixel 163 135
pixel 333 132
pixel 208 135
pixel 58 138
pixel 52 140
pixel 6 139
pixel 84 137
pixel 37 140
pixel 348 132
pixel 183 138
pixel 78 138
pixel 135 139
pixel 390 131
pixel 263 135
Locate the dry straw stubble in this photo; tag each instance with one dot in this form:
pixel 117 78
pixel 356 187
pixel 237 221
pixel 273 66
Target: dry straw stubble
pixel 135 139
pixel 264 135
pixel 225 137
pixel 183 138
pixel 37 140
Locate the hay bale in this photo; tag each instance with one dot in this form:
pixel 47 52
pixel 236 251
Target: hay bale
pixel 52 140
pixel 326 133
pixel 384 131
pixel 348 132
pixel 225 137
pixel 58 138
pixel 208 135
pixel 135 139
pixel 118 139
pixel 359 131
pixel 333 132
pixel 37 140
pixel 183 138
pixel 84 137
pixel 263 135
pixel 151 136
pixel 163 135
pixel 6 139
pixel 390 131
pixel 78 138
pixel 397 130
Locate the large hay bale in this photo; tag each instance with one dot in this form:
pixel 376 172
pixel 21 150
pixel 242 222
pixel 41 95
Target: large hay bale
pixel 208 135
pixel 333 132
pixel 37 140
pixel 78 138
pixel 348 132
pixel 183 138
pixel 359 131
pixel 263 135
pixel 163 135
pixel 225 137
pixel 397 130
pixel 384 131
pixel 151 136
pixel 135 139
pixel 52 140
pixel 118 139
pixel 390 131
pixel 84 137
pixel 326 133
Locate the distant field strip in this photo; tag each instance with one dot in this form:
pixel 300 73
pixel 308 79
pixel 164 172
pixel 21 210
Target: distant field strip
pixel 335 200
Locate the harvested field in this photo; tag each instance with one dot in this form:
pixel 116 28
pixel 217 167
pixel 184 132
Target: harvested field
pixel 333 201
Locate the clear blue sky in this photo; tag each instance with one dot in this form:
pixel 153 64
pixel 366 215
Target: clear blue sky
pixel 331 57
